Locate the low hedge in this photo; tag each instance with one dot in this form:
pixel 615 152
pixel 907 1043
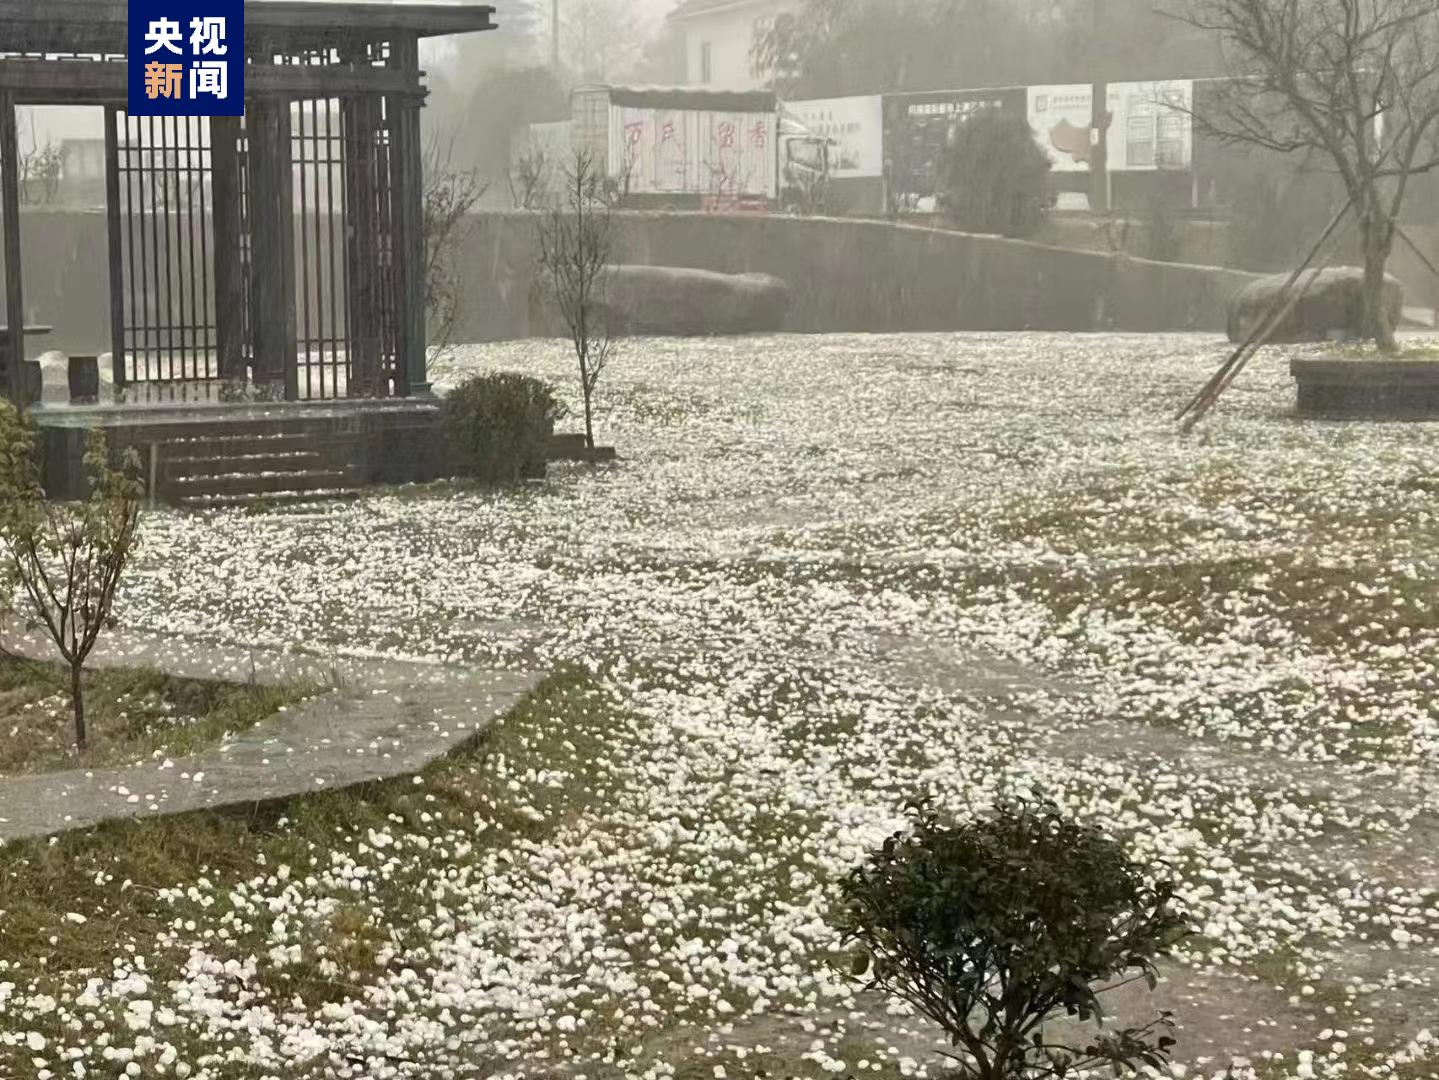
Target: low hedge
pixel 497 426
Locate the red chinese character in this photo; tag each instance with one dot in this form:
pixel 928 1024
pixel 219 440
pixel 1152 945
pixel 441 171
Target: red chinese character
pixel 759 134
pixel 726 135
pixel 667 132
pixel 634 133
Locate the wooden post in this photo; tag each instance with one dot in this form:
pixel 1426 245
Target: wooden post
pixel 10 211
pixel 231 296
pixel 407 163
pixel 116 243
pixel 1100 196
pixel 272 245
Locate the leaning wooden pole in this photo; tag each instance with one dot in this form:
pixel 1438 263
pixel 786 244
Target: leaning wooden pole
pixel 1283 304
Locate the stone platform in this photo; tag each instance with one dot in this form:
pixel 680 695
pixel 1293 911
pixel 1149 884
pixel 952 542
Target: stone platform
pixel 209 453
pixel 1367 388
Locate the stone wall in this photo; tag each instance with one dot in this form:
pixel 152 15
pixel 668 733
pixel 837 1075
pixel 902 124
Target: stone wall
pixel 862 276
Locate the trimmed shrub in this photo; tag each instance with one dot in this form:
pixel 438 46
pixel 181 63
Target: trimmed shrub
pixel 497 426
pixel 993 927
pixel 994 177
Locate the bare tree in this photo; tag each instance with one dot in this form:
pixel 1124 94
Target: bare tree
pixel 450 195
pixel 1355 80
pixel 529 177
pixel 68 559
pixel 576 254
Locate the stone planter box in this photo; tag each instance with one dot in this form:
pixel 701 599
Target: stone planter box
pixel 1367 389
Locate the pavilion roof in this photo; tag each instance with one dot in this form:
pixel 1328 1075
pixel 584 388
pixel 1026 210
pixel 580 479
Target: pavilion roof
pixel 289 26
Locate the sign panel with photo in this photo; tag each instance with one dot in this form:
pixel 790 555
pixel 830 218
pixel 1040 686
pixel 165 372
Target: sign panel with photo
pixel 855 128
pixel 1062 118
pixel 1153 126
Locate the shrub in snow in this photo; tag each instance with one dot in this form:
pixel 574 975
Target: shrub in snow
pixel 995 177
pixel 497 426
pixel 995 927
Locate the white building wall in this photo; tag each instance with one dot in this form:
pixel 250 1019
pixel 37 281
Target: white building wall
pixel 730 35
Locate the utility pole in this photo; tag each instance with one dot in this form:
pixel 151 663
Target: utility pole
pixel 555 38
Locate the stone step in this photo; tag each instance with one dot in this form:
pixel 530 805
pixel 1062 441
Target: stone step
pixel 257 483
pixel 246 445
pixel 280 500
pixel 294 461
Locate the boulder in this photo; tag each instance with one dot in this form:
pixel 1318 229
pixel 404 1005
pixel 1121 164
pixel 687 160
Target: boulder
pixel 671 301
pixel 1332 308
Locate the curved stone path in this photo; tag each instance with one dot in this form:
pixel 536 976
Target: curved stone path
pixel 384 718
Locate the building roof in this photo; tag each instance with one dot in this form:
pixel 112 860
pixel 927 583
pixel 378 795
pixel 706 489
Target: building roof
pixel 690 8
pixel 99 26
pixel 685 98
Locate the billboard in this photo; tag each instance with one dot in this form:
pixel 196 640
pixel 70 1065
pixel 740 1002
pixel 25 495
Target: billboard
pixel 1150 125
pixel 659 151
pixel 1062 119
pixel 1153 126
pixel 855 128
pixel 919 127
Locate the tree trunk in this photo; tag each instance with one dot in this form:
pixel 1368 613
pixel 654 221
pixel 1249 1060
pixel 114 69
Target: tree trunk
pixel 1378 242
pixel 77 701
pixel 588 393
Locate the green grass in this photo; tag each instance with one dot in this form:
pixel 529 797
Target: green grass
pixel 113 875
pixel 131 715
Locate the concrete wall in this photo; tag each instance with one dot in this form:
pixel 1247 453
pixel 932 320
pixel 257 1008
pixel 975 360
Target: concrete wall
pixel 67 279
pixel 845 275
pixel 861 276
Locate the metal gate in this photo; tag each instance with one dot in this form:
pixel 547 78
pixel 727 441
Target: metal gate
pixel 344 249
pixel 161 215
pixel 347 309
pixel 185 239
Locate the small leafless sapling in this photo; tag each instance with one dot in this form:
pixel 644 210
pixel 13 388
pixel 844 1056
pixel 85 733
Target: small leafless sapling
pixel 576 242
pixel 450 196
pixel 529 178
pixel 68 559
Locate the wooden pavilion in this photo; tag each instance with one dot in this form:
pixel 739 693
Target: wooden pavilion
pixel 284 248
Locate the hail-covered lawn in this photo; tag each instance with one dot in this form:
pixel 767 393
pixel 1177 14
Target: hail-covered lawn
pixel 131 716
pixel 829 575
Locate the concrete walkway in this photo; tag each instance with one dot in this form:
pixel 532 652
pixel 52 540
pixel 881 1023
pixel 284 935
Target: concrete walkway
pixel 384 718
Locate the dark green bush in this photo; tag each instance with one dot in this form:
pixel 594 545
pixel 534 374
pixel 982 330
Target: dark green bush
pixel 994 927
pixel 994 177
pixel 497 426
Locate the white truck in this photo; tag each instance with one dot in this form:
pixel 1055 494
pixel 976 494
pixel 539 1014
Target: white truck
pixel 686 149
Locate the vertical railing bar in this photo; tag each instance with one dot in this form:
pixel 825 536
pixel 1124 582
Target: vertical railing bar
pixel 135 349
pixel 211 334
pixel 165 126
pixel 304 255
pixel 193 316
pixel 390 278
pixel 317 224
pixel 151 259
pixel 347 150
pixel 332 149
